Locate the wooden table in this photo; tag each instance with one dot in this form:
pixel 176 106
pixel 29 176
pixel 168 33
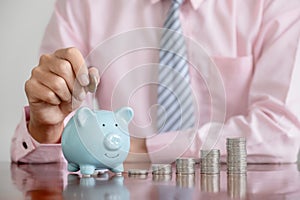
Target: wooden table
pixel 52 181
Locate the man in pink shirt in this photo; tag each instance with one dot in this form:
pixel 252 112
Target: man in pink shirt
pixel 251 90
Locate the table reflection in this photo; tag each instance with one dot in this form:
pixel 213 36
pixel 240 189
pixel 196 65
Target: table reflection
pixel 52 181
pixel 210 183
pixel 237 186
pixel 39 181
pixel 95 188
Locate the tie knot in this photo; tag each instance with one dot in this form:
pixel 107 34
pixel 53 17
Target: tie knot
pixel 179 2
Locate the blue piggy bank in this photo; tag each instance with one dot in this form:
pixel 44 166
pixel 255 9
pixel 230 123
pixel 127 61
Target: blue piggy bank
pixel 97 140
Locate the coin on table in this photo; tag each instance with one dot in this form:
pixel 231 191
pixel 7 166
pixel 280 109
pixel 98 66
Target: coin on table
pixel 185 166
pixel 236 155
pixel 161 169
pixel 137 172
pixel 210 161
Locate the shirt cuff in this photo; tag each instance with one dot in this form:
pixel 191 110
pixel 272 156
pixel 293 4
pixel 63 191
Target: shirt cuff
pixel 25 148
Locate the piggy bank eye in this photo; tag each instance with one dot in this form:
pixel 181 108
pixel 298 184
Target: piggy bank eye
pixel 116 125
pixel 103 125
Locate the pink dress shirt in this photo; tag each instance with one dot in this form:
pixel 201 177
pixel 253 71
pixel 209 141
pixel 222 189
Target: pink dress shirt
pixel 248 88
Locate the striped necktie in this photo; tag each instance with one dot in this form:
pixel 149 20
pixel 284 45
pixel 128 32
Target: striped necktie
pixel 175 100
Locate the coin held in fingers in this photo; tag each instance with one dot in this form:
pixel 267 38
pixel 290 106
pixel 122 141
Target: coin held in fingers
pixel 92 86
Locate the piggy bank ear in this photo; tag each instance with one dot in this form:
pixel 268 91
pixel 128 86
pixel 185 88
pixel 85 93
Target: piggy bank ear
pixel 82 115
pixel 125 113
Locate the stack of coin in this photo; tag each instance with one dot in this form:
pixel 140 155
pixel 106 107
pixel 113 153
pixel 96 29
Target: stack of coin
pixel 236 155
pixel 138 173
pixel 161 172
pixel 161 169
pixel 210 161
pixel 185 166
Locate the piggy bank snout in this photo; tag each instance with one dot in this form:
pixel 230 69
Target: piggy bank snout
pixel 113 141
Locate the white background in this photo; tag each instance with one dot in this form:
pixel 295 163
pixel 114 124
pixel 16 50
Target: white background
pixel 22 26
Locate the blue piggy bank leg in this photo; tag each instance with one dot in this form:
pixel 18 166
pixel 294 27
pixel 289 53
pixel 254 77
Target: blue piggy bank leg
pixel 87 169
pixel 118 169
pixel 72 167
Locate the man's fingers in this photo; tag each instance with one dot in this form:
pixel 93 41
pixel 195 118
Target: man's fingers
pixel 79 92
pixel 41 93
pixel 54 82
pixel 79 67
pixel 62 68
pixel 70 66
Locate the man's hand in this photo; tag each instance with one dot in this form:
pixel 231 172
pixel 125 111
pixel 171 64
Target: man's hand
pixel 57 86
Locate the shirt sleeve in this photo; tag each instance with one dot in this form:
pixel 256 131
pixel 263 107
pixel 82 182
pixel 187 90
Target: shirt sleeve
pixel 272 125
pixel 27 150
pixel 66 28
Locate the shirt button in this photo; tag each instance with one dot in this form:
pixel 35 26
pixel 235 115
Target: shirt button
pixel 25 145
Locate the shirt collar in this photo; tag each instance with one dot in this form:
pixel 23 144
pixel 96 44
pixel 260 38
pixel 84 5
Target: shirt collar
pixel 195 3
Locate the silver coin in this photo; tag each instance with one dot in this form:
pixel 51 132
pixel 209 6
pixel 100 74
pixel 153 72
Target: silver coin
pixel 236 139
pixel 161 169
pixel 185 166
pixel 185 161
pixel 210 161
pixel 205 153
pixel 137 172
pixel 236 155
pixel 185 171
